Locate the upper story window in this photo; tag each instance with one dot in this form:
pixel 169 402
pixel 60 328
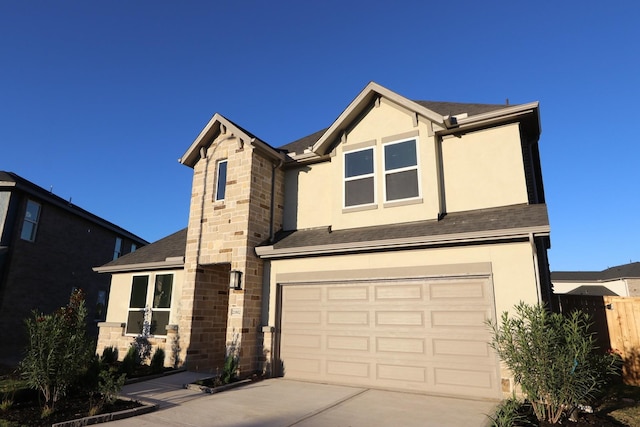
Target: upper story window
pixel 221 180
pixel 30 224
pixel 401 170
pixel 359 182
pixel 134 247
pixel 117 250
pixel 150 305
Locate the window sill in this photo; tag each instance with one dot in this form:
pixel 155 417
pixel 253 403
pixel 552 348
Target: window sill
pixel 403 202
pixel 360 208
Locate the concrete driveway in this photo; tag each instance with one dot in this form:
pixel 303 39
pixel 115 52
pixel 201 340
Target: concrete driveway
pixel 280 402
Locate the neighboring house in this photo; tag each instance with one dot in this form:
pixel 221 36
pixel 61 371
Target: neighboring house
pixel 621 280
pixel 369 253
pixel 48 248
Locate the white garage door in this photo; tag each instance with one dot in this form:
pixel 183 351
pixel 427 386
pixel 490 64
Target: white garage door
pixel 426 335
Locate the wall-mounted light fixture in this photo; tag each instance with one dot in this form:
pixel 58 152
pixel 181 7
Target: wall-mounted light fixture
pixel 235 279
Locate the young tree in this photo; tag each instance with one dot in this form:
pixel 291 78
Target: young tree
pixel 58 350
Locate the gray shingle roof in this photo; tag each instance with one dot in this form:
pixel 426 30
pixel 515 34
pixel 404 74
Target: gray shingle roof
pixel 624 271
pixel 171 246
pixel 510 217
pixel 442 108
pixel 29 187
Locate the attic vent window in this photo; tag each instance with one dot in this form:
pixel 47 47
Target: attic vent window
pixel 359 185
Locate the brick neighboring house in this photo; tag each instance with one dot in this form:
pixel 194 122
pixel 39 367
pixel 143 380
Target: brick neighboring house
pixel 48 247
pixel 621 280
pixel 369 253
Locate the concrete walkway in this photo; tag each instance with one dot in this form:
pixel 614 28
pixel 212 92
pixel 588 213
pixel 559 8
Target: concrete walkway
pixel 280 402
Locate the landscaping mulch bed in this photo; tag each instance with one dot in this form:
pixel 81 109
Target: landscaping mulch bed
pixel 27 413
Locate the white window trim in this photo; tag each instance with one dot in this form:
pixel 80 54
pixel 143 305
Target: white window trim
pixel 357 177
pixel 35 222
pixel 407 168
pixel 149 300
pixel 215 198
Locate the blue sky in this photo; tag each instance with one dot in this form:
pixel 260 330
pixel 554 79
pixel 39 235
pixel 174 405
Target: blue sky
pixel 99 99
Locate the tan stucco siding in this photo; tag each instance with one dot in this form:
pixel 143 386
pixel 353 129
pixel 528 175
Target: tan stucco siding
pixel 384 124
pixel 511 268
pixel 120 294
pixel 308 196
pixel 484 169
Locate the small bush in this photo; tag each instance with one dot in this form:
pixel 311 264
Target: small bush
pixel 230 369
pixel 109 356
pixel 58 350
pixel 552 357
pixel 157 361
pixel 129 362
pixel 509 414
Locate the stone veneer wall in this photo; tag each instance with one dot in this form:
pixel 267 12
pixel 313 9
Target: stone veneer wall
pixel 226 232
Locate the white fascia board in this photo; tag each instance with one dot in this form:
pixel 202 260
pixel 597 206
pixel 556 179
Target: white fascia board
pixel 159 265
pixel 191 156
pixel 353 109
pixel 267 252
pixel 493 117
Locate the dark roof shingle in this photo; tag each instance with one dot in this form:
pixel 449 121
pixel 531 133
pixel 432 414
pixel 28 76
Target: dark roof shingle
pixel 510 217
pixel 171 246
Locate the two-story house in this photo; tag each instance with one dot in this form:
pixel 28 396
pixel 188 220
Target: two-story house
pixel 369 253
pixel 48 247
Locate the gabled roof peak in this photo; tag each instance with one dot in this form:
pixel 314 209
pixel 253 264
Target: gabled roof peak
pixel 221 125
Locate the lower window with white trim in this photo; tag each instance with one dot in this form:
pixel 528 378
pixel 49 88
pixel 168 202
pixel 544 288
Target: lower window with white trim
pixel 150 304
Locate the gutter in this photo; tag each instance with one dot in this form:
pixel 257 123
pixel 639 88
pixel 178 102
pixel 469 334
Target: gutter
pixel 269 252
pixel 168 263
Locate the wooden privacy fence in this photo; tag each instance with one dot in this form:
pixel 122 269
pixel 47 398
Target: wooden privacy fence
pixel 617 325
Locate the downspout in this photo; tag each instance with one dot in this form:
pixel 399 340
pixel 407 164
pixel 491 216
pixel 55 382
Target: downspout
pixel 442 207
pixel 273 200
pixel 536 268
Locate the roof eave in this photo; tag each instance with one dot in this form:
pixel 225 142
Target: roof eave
pixel 267 252
pixel 213 129
pixel 494 117
pixel 169 263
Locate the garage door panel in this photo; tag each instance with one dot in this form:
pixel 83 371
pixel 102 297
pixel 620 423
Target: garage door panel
pixel 348 294
pixel 348 369
pixel 401 345
pixel 338 318
pixel 449 377
pixel 465 348
pixel 461 291
pixel 402 373
pixel 306 318
pixel 348 343
pixel 458 318
pixel 399 292
pixel 400 318
pixel 426 335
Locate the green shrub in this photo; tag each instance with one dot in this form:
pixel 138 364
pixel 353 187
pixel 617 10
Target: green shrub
pixel 552 357
pixel 509 414
pixel 230 369
pixel 58 350
pixel 109 356
pixel 157 361
pixel 129 362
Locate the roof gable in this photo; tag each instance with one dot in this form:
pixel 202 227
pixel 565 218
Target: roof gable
pixel 446 117
pixel 221 125
pixel 370 94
